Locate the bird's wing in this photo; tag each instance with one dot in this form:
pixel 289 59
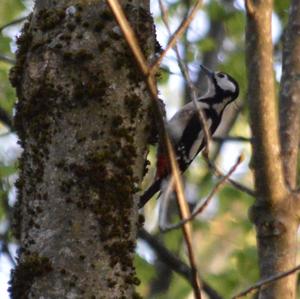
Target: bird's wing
pixel 178 123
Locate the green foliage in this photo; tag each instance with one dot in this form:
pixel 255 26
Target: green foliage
pixel 216 11
pixel 281 7
pixel 9 11
pixel 144 270
pixel 7 93
pixel 207 45
pixel 164 75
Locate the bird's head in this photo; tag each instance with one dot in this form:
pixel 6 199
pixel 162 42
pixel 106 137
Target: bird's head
pixel 221 85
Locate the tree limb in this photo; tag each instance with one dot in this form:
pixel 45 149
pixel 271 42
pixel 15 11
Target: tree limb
pixel 290 97
pixel 269 178
pixel 7 59
pixel 5 118
pixel 175 263
pixel 266 281
pixel 274 212
pixel 14 22
pixel 150 80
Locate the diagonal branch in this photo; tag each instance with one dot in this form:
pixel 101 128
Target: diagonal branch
pixel 174 38
pixel 150 80
pixel 193 91
pixel 14 22
pixel 234 183
pixel 175 263
pixel 266 281
pixel 6 119
pixel 201 206
pixel 232 139
pixel 7 59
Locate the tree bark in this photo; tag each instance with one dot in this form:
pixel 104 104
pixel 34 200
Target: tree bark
pixel 290 96
pixel 82 119
pixel 275 210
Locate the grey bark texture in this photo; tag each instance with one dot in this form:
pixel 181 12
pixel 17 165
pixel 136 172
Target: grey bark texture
pixel 275 212
pixel 82 118
pixel 290 96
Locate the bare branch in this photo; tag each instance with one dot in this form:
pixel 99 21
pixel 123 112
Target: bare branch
pixel 231 139
pixel 175 263
pixel 7 59
pixel 184 214
pixel 181 29
pixel 5 119
pixel 266 281
pixel 201 206
pixel 5 250
pixel 150 80
pixel 193 91
pixel 14 22
pixel 4 237
pixel 235 184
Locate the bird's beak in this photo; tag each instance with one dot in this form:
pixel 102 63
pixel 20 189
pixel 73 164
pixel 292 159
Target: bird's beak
pixel 207 71
pixel 211 88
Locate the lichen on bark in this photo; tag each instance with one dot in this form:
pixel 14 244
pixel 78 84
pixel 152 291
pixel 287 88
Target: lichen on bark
pixel 82 117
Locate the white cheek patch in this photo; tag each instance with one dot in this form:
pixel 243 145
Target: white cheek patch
pixel 225 84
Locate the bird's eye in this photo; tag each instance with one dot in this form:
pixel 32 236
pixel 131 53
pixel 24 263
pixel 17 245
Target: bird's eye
pixel 220 75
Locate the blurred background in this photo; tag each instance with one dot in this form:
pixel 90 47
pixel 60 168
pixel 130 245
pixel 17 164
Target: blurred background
pixel 224 239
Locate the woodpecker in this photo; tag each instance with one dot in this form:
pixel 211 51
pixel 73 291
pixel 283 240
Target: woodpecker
pixel 185 129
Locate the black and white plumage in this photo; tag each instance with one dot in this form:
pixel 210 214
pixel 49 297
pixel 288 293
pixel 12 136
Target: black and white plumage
pixel 185 129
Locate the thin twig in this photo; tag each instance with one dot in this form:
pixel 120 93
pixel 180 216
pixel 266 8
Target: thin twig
pixel 5 118
pixel 237 185
pixel 266 281
pixel 5 249
pixel 4 238
pixel 181 29
pixel 174 262
pixel 150 80
pixel 14 22
pixel 200 207
pixel 184 209
pixel 184 214
pixel 185 73
pixel 7 59
pixel 232 139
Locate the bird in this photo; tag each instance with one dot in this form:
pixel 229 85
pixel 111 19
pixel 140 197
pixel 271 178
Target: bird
pixel 185 130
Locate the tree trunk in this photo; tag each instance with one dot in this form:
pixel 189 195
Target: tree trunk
pixel 82 119
pixel 275 212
